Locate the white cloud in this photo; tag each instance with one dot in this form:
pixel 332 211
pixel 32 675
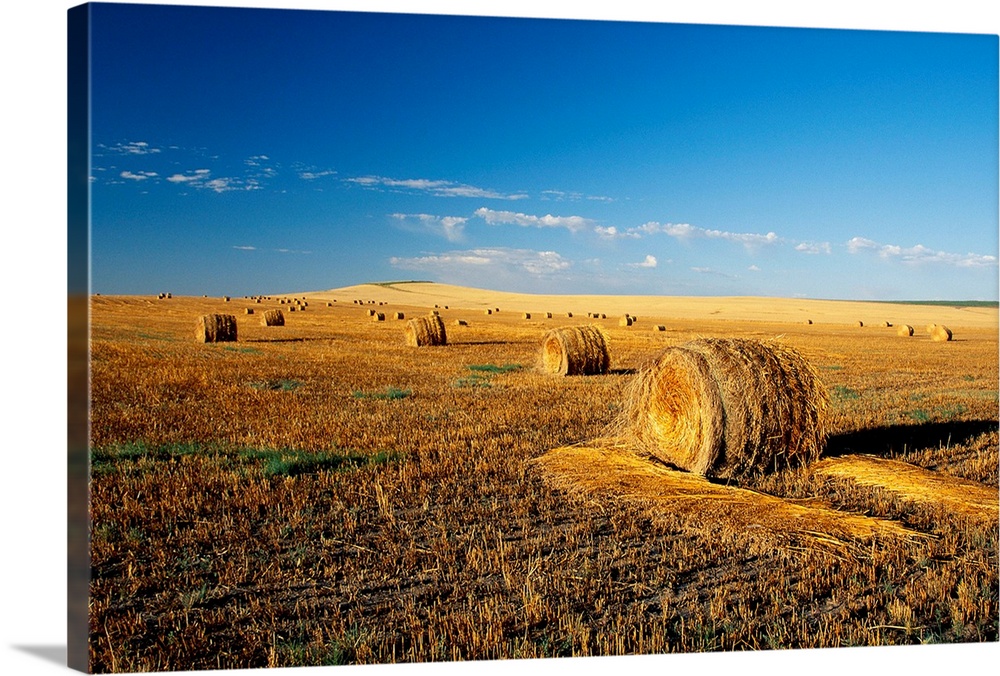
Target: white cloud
pixel 753 268
pixel 814 247
pixel 520 261
pixel 437 188
pixel 920 254
pixel 245 248
pixel 141 176
pixel 131 148
pixel 571 223
pixel 312 175
pixel 450 227
pixel 688 231
pixel 649 262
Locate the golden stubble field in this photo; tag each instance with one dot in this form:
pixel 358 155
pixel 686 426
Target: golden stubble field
pixel 321 493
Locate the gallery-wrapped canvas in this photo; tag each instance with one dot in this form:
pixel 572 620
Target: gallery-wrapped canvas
pixel 420 338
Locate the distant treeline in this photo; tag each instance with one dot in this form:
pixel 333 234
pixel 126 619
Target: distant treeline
pixel 947 303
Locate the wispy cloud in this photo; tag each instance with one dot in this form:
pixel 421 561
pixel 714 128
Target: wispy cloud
pixel 522 261
pixel 571 223
pixel 130 148
pixel 202 179
pixel 313 175
pixel 919 254
pixel 611 232
pixel 245 248
pixel 688 231
pixel 814 247
pixel 139 176
pixel 450 227
pixel 437 188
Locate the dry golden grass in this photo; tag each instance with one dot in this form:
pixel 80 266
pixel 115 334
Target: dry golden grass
pixel 322 493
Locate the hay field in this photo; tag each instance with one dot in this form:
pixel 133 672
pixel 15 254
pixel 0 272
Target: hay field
pixel 323 493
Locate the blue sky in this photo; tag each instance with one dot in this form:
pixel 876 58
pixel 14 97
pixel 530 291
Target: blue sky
pixel 251 151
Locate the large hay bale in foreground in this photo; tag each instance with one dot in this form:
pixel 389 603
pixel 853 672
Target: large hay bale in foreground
pixel 423 331
pixel 215 329
pixel 940 333
pixel 272 318
pixel 904 330
pixel 725 408
pixel 575 350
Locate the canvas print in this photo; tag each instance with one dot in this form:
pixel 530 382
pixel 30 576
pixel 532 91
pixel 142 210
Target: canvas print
pixel 411 338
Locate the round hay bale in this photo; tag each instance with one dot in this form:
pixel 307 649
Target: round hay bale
pixel 603 316
pixel 659 327
pixel 272 318
pixel 887 324
pixel 575 350
pixel 527 315
pixel 860 323
pixel 215 328
pixel 423 331
pixel 941 333
pixel 225 298
pixel 548 315
pixel 371 313
pixel 461 322
pixel 809 321
pixel 625 321
pixel 399 315
pixel 726 408
pixel 291 308
pixel 904 330
pixel 249 310
pixel 489 311
pixel 329 304
pixel 378 317
pixel 569 314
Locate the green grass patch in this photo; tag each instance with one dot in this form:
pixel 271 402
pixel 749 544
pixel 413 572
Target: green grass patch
pixel 922 415
pixel 493 369
pixel 841 393
pixel 389 393
pixel 277 385
pixel 475 380
pixel 242 350
pixel 292 462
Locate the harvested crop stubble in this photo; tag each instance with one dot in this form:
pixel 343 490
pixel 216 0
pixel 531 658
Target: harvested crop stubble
pixel 272 318
pixel 423 331
pixel 575 350
pixel 940 333
pixel 726 407
pixel 915 483
pixel 215 328
pixel 608 469
pixel 904 330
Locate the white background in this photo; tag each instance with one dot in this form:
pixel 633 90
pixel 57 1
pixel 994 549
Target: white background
pixel 33 381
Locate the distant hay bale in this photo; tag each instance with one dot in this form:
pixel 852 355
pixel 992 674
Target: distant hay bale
pixel 461 322
pixel 445 307
pixel 603 316
pixel 225 298
pixel 548 315
pixel 282 301
pixel 527 315
pixel 569 314
pixel 256 300
pixel 291 308
pixel 329 304
pixel 489 311
pixel 659 327
pixel 215 329
pixel 941 333
pixel 170 295
pixel 398 315
pixel 904 330
pixel 371 313
pixel 886 324
pixel 423 331
pixel 809 321
pixel 575 350
pixel 724 408
pixel 378 317
pixel 860 323
pixel 930 328
pixel 272 318
pixel 249 310
pixel 625 321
